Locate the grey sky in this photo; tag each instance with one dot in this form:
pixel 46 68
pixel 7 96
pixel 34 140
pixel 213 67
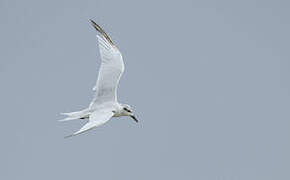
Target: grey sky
pixel 208 80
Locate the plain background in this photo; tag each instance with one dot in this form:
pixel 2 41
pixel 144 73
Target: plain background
pixel 208 80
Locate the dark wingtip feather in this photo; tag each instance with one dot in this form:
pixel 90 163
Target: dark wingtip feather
pixel 100 30
pixel 93 22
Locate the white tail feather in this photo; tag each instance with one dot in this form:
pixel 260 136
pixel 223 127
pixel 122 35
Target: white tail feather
pixel 76 115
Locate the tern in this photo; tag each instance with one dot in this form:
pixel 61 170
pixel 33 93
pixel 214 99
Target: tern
pixel 104 105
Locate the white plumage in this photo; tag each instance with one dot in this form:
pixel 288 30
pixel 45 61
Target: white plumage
pixel 110 72
pixel 104 105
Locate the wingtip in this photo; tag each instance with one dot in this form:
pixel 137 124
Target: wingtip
pixel 95 25
pixel 69 136
pixel 101 31
pixel 93 22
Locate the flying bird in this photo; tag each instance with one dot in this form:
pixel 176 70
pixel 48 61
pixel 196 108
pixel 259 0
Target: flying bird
pixel 104 105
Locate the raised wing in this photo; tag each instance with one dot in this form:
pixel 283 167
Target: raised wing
pixel 112 67
pixel 97 118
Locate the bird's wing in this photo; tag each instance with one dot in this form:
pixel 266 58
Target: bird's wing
pixel 111 69
pixel 97 118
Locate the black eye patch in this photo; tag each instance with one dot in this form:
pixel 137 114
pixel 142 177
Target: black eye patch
pixel 127 110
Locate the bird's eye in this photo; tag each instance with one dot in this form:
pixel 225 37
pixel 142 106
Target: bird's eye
pixel 127 110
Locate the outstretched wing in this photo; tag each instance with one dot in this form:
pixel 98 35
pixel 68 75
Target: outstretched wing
pixel 97 118
pixel 111 69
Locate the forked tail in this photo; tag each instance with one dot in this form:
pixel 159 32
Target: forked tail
pixel 76 115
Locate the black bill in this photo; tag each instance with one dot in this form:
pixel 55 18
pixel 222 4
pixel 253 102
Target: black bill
pixel 133 117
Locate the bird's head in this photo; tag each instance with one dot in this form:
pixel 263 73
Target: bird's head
pixel 127 111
